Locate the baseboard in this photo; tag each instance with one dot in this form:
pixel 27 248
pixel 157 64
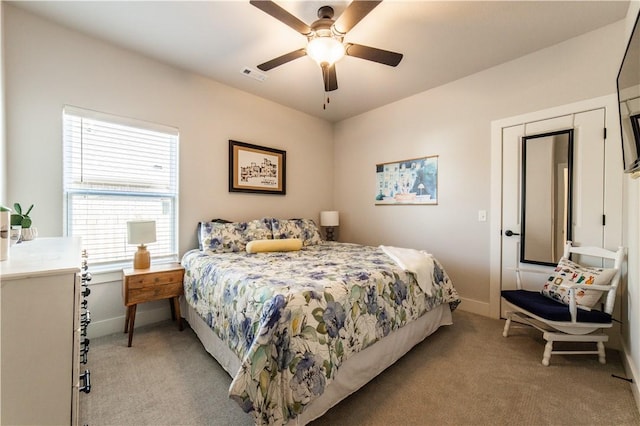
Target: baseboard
pixel 116 325
pixel 474 306
pixel 632 373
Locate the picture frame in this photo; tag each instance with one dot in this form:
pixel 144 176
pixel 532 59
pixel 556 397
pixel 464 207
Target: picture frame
pixel 256 169
pixel 413 181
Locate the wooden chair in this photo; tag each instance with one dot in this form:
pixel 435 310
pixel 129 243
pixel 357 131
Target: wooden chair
pixel 572 322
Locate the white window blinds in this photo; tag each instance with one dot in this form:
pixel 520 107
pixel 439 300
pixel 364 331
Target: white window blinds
pixel 115 170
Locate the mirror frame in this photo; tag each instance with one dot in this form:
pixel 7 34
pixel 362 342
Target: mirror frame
pixel 523 228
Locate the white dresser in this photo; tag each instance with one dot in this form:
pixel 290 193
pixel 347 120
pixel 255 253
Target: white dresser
pixel 40 332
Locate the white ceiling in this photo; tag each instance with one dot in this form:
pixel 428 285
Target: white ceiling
pixel 441 41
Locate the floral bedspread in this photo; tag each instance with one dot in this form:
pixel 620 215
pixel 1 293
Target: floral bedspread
pixel 294 317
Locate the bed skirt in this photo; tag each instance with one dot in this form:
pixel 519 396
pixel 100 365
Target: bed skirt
pixel 354 373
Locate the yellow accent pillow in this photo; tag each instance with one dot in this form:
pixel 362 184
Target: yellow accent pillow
pixel 287 244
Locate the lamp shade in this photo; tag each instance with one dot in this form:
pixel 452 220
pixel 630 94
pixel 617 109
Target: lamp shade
pixel 329 218
pixel 141 231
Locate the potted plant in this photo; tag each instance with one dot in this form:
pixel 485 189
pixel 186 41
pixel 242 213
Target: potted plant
pixel 23 220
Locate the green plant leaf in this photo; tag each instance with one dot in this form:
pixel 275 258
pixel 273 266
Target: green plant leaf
pixel 29 211
pixel 17 208
pixel 26 222
pixel 16 219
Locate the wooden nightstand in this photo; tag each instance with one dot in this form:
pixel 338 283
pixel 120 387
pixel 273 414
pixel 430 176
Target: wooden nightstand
pixel 146 285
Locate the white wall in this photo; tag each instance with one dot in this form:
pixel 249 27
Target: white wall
pixel 454 122
pixel 630 328
pixel 48 66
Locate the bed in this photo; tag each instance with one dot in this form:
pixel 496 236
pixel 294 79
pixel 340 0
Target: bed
pixel 300 327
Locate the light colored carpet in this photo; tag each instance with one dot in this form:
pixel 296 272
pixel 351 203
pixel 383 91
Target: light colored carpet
pixel 464 374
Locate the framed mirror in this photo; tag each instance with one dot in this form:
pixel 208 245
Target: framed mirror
pixel 547 184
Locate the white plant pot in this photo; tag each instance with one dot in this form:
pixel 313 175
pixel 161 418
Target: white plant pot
pixel 29 234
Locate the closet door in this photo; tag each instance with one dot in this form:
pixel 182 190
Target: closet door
pixel 588 186
pixel 588 178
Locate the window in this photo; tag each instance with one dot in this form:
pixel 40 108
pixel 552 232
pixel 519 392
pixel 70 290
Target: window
pixel 115 170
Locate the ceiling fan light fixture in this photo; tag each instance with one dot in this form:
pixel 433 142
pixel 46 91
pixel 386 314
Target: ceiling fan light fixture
pixel 325 50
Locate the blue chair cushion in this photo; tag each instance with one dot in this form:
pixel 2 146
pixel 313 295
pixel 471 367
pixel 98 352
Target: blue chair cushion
pixel 537 304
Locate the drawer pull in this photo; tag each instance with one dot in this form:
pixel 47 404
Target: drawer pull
pixel 85 319
pixel 84 346
pixel 85 379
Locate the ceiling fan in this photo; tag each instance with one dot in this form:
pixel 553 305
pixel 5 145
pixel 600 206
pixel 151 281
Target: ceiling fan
pixel 325 38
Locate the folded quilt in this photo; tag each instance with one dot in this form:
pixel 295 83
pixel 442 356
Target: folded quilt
pixel 418 262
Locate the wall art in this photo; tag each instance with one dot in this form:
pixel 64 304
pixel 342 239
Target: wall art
pixel 413 181
pixel 256 169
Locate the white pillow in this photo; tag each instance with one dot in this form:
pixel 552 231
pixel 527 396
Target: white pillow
pixel 286 244
pixel 568 273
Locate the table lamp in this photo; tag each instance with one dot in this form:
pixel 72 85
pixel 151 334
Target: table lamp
pixel 141 232
pixel 328 220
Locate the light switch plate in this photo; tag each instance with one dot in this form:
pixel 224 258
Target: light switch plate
pixel 482 215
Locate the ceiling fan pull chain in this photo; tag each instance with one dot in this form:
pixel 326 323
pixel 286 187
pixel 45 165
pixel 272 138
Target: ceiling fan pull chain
pixel 326 102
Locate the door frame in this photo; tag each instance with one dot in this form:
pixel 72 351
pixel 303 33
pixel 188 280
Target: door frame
pixel 613 177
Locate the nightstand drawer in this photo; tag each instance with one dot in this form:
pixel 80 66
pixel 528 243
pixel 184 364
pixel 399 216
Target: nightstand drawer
pixel 155 279
pixel 157 291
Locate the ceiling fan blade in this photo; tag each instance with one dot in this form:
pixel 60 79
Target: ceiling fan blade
pixel 385 57
pixel 354 13
pixel 287 57
pixel 329 77
pixel 271 8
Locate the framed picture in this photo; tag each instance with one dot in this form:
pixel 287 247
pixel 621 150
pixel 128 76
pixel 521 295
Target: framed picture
pixel 256 169
pixel 413 181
